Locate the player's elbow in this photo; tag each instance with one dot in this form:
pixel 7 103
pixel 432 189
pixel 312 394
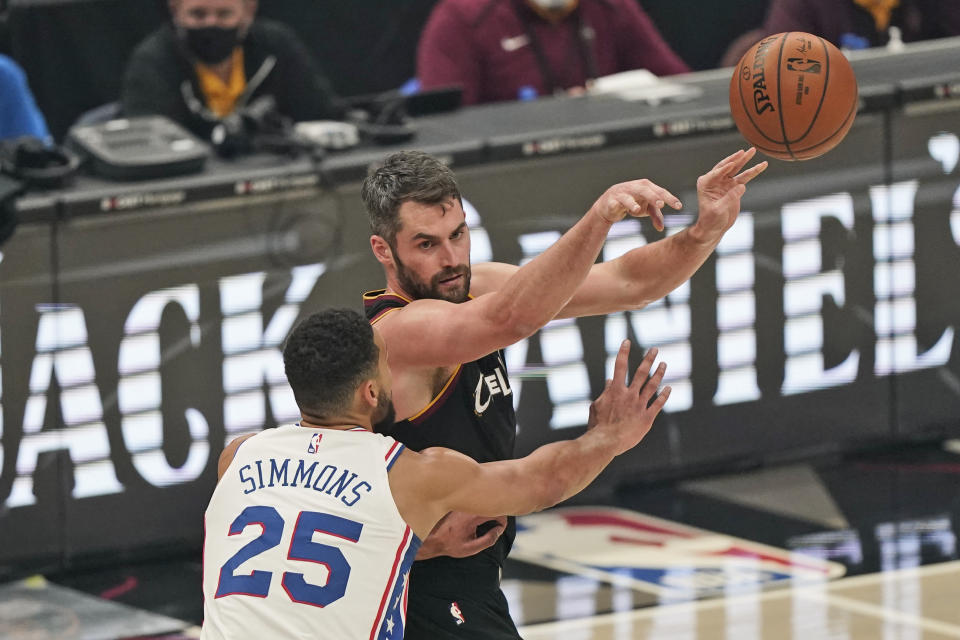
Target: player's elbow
pixel 514 324
pixel 637 304
pixel 635 295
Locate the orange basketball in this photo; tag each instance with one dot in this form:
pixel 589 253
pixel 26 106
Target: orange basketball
pixel 793 96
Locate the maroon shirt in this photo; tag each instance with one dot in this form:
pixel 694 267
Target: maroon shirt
pixel 832 19
pixel 483 45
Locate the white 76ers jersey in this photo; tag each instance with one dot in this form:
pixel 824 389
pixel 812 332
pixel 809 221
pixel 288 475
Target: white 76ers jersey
pixel 302 539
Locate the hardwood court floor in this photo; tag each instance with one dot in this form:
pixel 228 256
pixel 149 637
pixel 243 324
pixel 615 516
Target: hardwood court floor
pixel 859 547
pixel 920 603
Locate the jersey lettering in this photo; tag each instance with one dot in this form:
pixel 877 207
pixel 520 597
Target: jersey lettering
pixel 495 383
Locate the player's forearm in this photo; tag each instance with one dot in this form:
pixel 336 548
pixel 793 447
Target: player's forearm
pixel 537 291
pixel 563 469
pixel 650 272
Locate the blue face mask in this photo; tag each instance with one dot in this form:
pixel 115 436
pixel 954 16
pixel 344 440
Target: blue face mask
pixel 211 45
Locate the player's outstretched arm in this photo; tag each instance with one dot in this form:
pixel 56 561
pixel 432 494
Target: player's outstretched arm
pixel 428 485
pixel 650 272
pixel 526 299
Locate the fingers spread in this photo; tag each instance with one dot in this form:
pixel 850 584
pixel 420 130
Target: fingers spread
pixel 742 160
pixel 733 163
pixel 620 365
pixel 653 383
pixel 728 159
pixel 643 370
pixel 661 400
pixel 752 172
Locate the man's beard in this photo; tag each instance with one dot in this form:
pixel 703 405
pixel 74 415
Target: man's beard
pixel 385 416
pixel 419 289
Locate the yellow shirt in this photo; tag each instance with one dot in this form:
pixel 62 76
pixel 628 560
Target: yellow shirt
pixel 880 10
pixel 221 97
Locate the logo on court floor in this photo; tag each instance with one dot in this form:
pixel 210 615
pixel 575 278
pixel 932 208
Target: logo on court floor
pixel 658 556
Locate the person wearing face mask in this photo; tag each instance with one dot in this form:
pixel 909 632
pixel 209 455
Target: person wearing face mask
pixel 500 50
pixel 214 58
pixel 854 24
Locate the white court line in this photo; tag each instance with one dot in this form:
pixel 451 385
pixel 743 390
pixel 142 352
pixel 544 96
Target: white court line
pixel 813 592
pixel 892 615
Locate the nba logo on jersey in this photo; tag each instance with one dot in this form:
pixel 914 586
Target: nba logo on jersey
pixel 456 613
pixel 314 443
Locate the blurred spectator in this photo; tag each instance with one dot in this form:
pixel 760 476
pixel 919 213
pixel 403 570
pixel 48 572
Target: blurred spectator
pixel 214 59
pixel 19 115
pixel 854 24
pixel 518 49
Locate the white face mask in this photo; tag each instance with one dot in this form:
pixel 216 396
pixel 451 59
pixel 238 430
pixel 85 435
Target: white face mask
pixel 553 5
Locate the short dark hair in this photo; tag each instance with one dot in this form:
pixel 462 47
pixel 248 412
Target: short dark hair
pixel 405 176
pixel 326 357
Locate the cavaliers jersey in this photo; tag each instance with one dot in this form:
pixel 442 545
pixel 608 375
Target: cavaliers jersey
pixel 473 413
pixel 302 539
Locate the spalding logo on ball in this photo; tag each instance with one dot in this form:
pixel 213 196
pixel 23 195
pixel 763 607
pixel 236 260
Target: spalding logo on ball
pixel 793 96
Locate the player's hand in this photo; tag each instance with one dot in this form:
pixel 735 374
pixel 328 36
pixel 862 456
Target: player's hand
pixel 637 198
pixel 455 535
pixel 622 409
pixel 719 192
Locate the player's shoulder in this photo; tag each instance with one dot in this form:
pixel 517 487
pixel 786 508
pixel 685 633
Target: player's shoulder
pixel 230 451
pixel 380 303
pixel 239 440
pixel 440 456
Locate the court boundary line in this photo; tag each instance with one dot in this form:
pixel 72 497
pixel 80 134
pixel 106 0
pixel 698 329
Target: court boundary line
pixel 815 592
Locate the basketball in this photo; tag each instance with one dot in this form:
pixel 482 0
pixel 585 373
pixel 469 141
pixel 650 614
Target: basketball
pixel 793 96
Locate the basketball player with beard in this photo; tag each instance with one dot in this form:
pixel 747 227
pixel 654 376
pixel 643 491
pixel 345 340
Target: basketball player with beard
pixel 312 528
pixel 445 325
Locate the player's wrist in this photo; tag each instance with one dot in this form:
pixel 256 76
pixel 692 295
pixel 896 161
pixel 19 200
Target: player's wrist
pixel 429 549
pixel 604 437
pixel 703 234
pixel 609 218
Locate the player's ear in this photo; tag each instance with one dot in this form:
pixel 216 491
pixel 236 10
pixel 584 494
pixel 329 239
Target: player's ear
pixel 381 250
pixel 368 393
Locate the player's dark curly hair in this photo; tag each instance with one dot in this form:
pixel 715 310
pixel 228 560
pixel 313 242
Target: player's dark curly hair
pixel 326 356
pixel 406 176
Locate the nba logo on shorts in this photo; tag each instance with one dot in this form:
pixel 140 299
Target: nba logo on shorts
pixel 456 613
pixel 314 443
